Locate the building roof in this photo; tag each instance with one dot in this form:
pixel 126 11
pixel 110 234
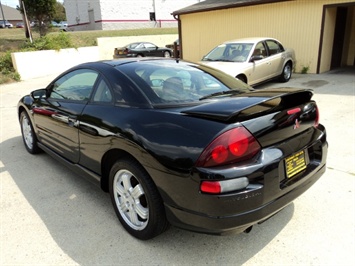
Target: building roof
pixel 10 13
pixel 209 5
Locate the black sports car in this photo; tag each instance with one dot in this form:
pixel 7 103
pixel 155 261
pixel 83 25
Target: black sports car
pixel 142 49
pixel 179 143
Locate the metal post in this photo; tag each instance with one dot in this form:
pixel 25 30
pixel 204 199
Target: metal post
pixel 3 17
pixel 25 20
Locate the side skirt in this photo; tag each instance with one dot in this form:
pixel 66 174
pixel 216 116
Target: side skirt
pixel 78 169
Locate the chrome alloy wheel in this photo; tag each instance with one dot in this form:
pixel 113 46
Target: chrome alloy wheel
pixel 287 72
pixel 27 132
pixel 130 200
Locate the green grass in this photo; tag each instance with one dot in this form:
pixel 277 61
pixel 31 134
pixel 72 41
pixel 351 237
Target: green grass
pixel 14 40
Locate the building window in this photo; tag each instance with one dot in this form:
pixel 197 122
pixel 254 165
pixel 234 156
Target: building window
pixel 152 16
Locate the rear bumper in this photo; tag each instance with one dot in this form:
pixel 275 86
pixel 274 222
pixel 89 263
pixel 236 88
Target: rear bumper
pixel 239 222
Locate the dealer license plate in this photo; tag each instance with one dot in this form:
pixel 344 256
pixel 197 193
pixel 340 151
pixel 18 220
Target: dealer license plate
pixel 295 164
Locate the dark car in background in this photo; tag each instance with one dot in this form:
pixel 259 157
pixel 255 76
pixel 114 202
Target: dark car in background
pixel 179 143
pixel 142 49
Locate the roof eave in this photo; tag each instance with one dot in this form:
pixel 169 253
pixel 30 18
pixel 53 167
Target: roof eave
pixel 188 10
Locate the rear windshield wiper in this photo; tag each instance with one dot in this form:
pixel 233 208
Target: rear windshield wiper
pixel 229 92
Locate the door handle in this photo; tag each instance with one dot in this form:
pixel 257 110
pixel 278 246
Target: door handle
pixel 72 120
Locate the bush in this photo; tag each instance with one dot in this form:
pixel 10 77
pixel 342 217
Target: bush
pixel 8 72
pixel 49 42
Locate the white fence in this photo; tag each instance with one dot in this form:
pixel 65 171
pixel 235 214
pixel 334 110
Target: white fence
pixel 43 63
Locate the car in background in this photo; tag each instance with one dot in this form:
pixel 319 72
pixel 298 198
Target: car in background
pixel 63 27
pixel 63 24
pixel 172 47
pixel 142 49
pixel 20 25
pixel 253 60
pixel 179 143
pixel 5 24
pixel 55 24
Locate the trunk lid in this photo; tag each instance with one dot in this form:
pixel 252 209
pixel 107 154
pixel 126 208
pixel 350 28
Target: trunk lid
pixel 271 115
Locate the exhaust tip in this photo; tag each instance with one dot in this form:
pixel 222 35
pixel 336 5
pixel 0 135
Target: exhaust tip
pixel 248 230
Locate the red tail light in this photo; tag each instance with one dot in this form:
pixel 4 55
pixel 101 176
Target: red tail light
pixel 232 146
pixel 211 187
pixel 126 51
pixel 316 122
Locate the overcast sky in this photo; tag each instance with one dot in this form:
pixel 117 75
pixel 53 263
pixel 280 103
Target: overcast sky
pixel 14 3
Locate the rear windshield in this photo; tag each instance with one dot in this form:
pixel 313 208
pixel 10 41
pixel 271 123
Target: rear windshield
pixel 180 82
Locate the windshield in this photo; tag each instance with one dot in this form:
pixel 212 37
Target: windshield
pixel 173 81
pixel 231 52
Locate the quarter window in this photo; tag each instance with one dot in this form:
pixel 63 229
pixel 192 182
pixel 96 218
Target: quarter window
pixel 103 93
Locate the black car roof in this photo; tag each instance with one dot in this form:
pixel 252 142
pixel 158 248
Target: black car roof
pixel 119 62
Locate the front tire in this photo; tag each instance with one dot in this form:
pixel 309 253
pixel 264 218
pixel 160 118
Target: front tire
pixel 286 73
pixel 28 135
pixel 136 200
pixel 242 78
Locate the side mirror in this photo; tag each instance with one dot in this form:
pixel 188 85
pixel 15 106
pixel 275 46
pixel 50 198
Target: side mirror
pixel 38 94
pixel 256 58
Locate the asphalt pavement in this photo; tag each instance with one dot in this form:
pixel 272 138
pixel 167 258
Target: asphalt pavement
pixel 50 216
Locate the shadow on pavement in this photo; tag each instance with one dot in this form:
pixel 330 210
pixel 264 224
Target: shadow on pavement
pixel 80 219
pixel 338 82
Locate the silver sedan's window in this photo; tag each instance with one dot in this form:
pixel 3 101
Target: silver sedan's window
pixel 231 52
pixel 274 47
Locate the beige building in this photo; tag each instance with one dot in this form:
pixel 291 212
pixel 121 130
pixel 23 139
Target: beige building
pixel 322 32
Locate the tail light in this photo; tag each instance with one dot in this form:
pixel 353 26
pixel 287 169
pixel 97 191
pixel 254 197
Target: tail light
pixel 126 51
pixel 224 186
pixel 232 146
pixel 316 122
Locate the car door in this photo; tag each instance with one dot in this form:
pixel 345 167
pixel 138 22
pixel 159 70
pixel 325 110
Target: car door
pixel 276 58
pixel 57 115
pixel 260 68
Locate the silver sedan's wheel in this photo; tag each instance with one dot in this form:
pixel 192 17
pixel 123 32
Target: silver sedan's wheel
pixel 28 135
pixel 130 200
pixel 286 73
pixel 136 200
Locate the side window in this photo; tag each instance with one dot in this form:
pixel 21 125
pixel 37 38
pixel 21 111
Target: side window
pixel 260 50
pixel 274 47
pixel 103 93
pixel 149 45
pixel 76 85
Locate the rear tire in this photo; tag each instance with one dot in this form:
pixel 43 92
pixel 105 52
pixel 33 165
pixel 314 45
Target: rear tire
pixel 286 73
pixel 167 54
pixel 136 200
pixel 28 135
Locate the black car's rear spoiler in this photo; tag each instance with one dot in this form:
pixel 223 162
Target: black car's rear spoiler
pixel 251 104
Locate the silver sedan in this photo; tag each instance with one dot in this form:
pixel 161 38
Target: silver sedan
pixel 253 60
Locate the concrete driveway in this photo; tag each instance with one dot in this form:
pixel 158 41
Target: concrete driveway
pixel 50 216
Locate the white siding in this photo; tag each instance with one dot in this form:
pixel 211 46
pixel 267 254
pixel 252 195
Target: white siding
pixel 122 14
